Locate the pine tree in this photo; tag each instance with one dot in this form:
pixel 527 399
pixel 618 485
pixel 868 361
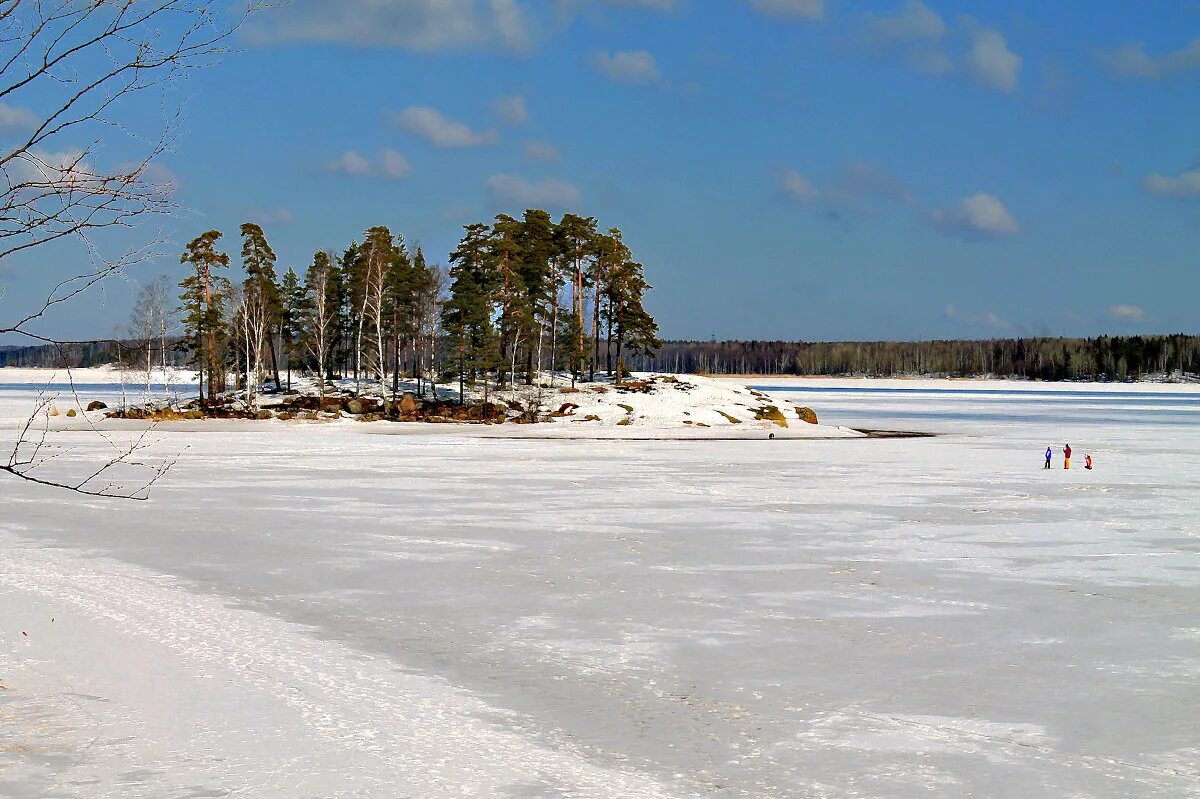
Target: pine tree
pixel 575 236
pixel 292 296
pixel 320 314
pixel 429 285
pixel 261 285
pixel 342 304
pixel 469 311
pixel 511 295
pixel 536 272
pixel 203 299
pixel 353 289
pixel 399 292
pixel 609 250
pixel 635 327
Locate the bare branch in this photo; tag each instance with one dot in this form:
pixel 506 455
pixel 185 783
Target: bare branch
pixel 79 64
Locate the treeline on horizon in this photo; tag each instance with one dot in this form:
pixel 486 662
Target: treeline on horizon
pixel 1043 358
pixel 1116 358
pixel 521 295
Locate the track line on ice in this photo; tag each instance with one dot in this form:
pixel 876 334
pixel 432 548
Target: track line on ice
pixel 421 732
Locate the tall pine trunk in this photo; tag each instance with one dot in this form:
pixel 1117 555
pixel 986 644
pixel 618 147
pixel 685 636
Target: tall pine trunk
pixel 275 357
pixel 595 324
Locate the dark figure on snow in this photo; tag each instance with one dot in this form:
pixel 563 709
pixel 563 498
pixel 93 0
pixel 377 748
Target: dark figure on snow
pixel 1049 455
pixel 1066 456
pixel 1087 462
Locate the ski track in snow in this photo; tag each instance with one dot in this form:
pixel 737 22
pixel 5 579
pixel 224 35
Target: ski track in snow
pixel 372 723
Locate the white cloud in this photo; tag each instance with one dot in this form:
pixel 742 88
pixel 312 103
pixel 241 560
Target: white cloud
pixel 980 216
pixel 914 22
pixel 657 5
pixel 278 216
pixel 1185 185
pixel 395 166
pixel 511 109
pixel 13 118
pixel 1133 60
pixel 510 191
pixel 350 163
pixel 509 23
pixel 857 182
pixel 628 66
pixel 801 9
pixel 428 25
pixel 541 151
pixel 430 124
pixel 797 187
pixel 856 187
pixel 67 166
pixel 391 165
pixel 1127 313
pixel 420 25
pixel 989 61
pixel 154 174
pixel 988 319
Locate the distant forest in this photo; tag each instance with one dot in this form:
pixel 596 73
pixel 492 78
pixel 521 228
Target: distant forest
pixel 1103 358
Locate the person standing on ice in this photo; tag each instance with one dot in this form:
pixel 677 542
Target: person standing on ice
pixel 1087 462
pixel 1049 456
pixel 1066 456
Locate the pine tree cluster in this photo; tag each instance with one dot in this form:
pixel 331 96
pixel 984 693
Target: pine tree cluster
pixel 520 296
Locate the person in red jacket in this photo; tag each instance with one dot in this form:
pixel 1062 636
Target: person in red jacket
pixel 1066 456
pixel 1087 462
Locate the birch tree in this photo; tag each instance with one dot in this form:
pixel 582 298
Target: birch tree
pixel 319 315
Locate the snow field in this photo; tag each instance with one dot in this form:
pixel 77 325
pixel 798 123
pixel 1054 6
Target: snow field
pixel 315 611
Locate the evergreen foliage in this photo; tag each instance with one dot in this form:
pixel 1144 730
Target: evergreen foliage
pixel 203 307
pixel 1116 358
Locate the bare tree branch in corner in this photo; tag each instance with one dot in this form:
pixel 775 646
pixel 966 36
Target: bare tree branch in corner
pixel 121 473
pixel 71 73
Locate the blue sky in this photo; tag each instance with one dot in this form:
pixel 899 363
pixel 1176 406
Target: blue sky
pixel 791 169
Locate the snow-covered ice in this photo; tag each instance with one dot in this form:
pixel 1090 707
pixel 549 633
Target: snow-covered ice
pixel 320 610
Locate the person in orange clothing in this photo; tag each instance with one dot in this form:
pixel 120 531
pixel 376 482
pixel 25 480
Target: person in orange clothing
pixel 1066 456
pixel 1087 462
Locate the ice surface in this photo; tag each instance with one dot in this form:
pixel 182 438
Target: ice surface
pixel 321 611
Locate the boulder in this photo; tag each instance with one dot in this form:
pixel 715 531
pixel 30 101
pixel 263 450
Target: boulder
pixel 408 405
pixel 566 409
pixel 71 412
pixel 96 405
pixel 807 415
pixel 356 407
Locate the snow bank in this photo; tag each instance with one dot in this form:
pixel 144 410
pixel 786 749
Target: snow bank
pixel 659 402
pixel 94 375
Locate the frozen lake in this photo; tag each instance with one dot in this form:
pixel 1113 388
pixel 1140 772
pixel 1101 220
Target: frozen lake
pixel 321 611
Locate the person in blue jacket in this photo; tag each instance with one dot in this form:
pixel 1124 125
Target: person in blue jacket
pixel 1049 455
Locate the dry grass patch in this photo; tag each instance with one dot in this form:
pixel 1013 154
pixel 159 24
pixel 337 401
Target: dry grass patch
pixel 772 414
